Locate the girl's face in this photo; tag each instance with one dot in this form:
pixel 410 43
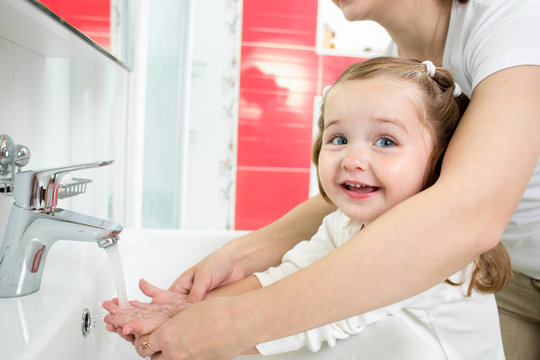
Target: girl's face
pixel 375 148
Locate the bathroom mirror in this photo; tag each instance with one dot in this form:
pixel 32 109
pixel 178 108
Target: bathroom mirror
pixel 107 25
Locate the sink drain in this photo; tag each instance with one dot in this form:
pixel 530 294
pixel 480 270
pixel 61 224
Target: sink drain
pixel 86 322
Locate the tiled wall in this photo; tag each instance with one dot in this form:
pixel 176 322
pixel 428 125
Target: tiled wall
pixel 281 74
pixel 208 197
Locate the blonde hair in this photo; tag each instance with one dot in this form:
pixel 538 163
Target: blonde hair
pixel 440 111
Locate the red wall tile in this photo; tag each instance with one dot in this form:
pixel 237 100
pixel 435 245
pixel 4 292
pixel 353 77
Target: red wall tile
pixel 280 76
pixel 277 83
pixel 282 22
pixel 333 66
pixel 266 195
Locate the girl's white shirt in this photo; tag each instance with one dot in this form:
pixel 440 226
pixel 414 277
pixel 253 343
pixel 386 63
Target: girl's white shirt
pixel 440 323
pixel 485 36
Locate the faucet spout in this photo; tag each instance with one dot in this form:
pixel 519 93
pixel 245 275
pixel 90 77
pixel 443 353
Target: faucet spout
pixel 29 236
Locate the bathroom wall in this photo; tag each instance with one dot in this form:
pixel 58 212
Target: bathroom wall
pixel 209 172
pixel 67 110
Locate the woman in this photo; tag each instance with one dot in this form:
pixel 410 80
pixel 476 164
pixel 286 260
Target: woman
pixel 423 240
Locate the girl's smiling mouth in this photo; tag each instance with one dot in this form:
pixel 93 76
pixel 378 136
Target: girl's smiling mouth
pixel 357 188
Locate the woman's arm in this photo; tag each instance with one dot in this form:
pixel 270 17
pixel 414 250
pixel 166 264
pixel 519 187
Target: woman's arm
pixel 253 252
pixel 412 247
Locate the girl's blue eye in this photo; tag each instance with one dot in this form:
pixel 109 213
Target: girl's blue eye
pixel 385 142
pixel 339 140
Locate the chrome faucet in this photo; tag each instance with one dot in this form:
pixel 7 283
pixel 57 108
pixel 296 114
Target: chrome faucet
pixel 35 223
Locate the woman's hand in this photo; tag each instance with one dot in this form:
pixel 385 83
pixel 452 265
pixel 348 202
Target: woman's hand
pixel 217 269
pixel 206 330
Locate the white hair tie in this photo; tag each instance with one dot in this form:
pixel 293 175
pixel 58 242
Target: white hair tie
pixel 457 89
pixel 325 90
pixel 430 68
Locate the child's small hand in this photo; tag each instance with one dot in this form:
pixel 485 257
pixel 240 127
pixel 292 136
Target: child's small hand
pixel 139 318
pixel 111 305
pixel 158 295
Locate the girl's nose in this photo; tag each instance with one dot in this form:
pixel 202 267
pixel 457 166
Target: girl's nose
pixel 355 159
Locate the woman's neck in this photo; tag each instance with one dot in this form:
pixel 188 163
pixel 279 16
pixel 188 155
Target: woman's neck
pixel 420 29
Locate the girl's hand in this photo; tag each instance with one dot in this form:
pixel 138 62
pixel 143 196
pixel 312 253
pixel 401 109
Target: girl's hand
pixel 160 296
pixel 111 305
pixel 141 318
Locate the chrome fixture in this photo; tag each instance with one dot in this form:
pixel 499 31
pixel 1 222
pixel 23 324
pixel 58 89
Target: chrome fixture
pixel 35 223
pixel 12 157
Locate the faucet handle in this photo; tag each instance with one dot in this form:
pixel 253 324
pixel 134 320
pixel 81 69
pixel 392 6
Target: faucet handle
pixel 12 158
pixel 38 189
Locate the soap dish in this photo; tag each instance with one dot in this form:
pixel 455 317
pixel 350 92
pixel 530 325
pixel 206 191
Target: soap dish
pixel 75 187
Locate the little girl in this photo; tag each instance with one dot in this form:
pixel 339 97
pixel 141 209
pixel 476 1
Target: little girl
pixel 383 130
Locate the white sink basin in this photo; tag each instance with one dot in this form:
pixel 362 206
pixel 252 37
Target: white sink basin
pixel 47 325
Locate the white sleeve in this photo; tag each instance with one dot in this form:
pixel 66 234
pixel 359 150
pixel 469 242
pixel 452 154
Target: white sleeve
pixel 412 312
pixel 506 41
pixel 313 339
pixel 304 253
pixel 487 36
pixel 332 233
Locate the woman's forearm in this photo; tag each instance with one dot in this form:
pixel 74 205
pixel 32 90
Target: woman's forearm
pixel 265 247
pixel 243 286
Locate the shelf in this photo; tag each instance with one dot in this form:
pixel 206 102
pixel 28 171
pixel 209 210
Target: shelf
pixel 30 24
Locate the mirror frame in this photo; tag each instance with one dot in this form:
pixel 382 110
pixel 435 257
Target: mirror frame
pixel 78 33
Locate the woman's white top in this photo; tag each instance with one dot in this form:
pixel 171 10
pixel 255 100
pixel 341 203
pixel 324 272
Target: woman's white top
pixel 485 36
pixel 440 323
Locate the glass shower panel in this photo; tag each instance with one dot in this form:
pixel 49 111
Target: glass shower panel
pixel 165 117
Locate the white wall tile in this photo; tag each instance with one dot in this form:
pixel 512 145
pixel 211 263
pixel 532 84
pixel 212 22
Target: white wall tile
pixel 210 184
pixel 68 111
pixel 5 87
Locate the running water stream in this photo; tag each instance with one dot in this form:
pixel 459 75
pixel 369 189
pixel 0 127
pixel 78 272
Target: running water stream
pixel 118 273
